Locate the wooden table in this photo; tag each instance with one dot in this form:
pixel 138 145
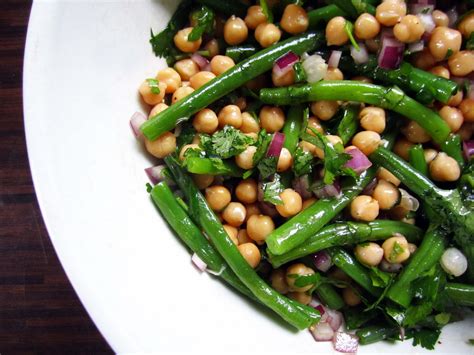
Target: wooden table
pixel 39 310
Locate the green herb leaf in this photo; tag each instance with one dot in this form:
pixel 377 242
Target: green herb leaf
pixel 226 143
pixel 396 251
pixel 442 318
pixel 379 277
pixel 349 28
pixel 427 338
pixel 148 187
pixel 204 17
pixel 416 314
pixel 153 85
pixel 272 191
pixel 267 166
pixel 266 10
pixel 302 162
pixel 186 136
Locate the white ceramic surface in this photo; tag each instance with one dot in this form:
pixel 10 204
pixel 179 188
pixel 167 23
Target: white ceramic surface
pixel 84 61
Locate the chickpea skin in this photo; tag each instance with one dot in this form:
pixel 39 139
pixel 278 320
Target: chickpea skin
pixel 366 26
pixel 444 168
pixel 200 79
pixel 444 41
pixel 232 232
pixel 441 71
pixel 249 123
pixel 230 115
pixel 284 80
pixel 186 68
pixel 386 194
pixel 292 203
pixel 415 133
pixel 272 118
pixel 245 159
pixel 334 74
pixel 466 26
pixel 370 254
pixel 252 209
pixel 324 110
pixel 217 197
pixel 267 34
pixel 293 272
pixel 466 131
pixel 440 18
pixel 162 146
pixel 390 12
pixel 372 119
pixel 429 155
pixel 350 297
pixel 213 47
pixel 314 123
pixel 424 59
pixel 456 99
pixel 367 141
pixel 259 227
pixel 148 96
pixel 461 63
pixel 294 19
pixel 255 17
pixel 285 160
pixel 335 31
pixel 182 43
pixel 409 29
pixel 452 116
pixel 234 214
pixel 467 108
pixel 157 109
pixel 300 297
pixel 182 92
pixel 235 31
pixel 396 249
pixel 278 281
pixel 171 78
pixel 221 63
pixel 205 121
pixel 186 147
pixel 364 208
pixel 246 191
pixel 384 174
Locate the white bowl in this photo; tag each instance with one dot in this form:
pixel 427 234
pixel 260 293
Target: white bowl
pixel 83 64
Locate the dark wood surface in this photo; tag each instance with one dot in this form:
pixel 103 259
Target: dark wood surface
pixel 39 310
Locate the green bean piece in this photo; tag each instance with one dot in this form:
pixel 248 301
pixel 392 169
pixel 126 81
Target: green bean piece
pixel 323 14
pixel 375 333
pixel 292 127
pixel 329 296
pixel 353 8
pixel 234 7
pixel 241 52
pixel 461 294
pixel 417 159
pixel 206 166
pixel 349 124
pixel 299 316
pixel 227 82
pixel 309 221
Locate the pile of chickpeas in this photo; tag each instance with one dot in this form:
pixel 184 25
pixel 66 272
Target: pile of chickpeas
pixel 244 217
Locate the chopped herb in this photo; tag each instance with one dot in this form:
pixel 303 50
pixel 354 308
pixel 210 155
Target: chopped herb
pixel 302 163
pixel 272 191
pixel 267 166
pixel 379 277
pixel 449 53
pixel 148 187
pixel 263 141
pixel 415 314
pixel 396 251
pixel 226 143
pixel 204 19
pixel 442 318
pixel 349 28
pixel 186 136
pixel 300 73
pixel 426 10
pixel 427 338
pixel 153 85
pixel 266 10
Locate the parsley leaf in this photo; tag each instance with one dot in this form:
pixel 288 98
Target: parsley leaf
pixel 379 277
pixel 302 163
pixel 396 251
pixel 272 191
pixel 204 17
pixel 267 166
pixel 415 314
pixel 263 141
pixel 186 136
pixel 266 10
pixel 427 338
pixel 153 85
pixel 226 143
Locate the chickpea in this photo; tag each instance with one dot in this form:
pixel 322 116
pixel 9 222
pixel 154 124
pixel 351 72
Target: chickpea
pixel 395 249
pixel 440 18
pixel 284 80
pixel 390 12
pixel 252 209
pixel 466 131
pixel 294 19
pixel 424 59
pixel 200 79
pixel 366 141
pixel 162 146
pixel 402 148
pixel 245 159
pixel 412 248
pixel 278 281
pixel 205 121
pixel 243 237
pixel 466 26
pixel 444 41
pixel 221 63
pixel 334 74
pixel 340 275
pixel 415 133
pixel 364 208
pixel 285 160
pixel 452 116
pixel 182 92
pixel 300 297
pixel 386 194
pixel 218 197
pixel 230 115
pixel 441 71
pixel 185 148
pixel 467 109
pixel 232 232
pixel 456 99
pixel 255 17
pixel 212 47
pixel 249 123
pixel 335 31
pixel 324 110
pixel 409 29
pixel 259 227
pixel 363 79
pixel 314 123
pixel 186 68
pixel 171 78
pixel 370 254
pixel 157 109
pixel 308 202
pixel 444 168
pixel 384 174
pixel 351 298
pixel 148 96
pixel 267 34
pixel 293 272
pixel 234 214
pixel 292 203
pixel 235 31
pixel 241 103
pixel 372 119
pixel 182 43
pixel 429 154
pixel 272 118
pixel 461 63
pixel 246 191
pixel 307 147
pixel 366 26
pixel 202 181
pixel 250 253
pixel 196 139
pixel 333 140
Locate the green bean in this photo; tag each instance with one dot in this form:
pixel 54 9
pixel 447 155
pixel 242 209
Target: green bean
pixel 349 124
pixel 292 127
pixel 353 7
pixel 323 14
pixel 461 294
pixel 207 166
pixel 417 159
pixel 227 82
pixel 375 333
pixel 329 296
pixel 234 7
pixel 241 52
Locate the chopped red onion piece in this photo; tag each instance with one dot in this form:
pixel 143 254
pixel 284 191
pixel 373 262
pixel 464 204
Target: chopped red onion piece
pixel 369 189
pixel 284 64
pixel 334 319
pixel 391 54
pixel 402 333
pixel 322 261
pixel 389 267
pixel 419 8
pixel 345 342
pixel 200 61
pixel 276 145
pixel 322 332
pixel 416 46
pixel 136 121
pixel 334 58
pixel 359 161
pixel 360 56
pixel 268 209
pixel 468 147
pixel 408 202
pixel 197 261
pixel 154 173
pixel 427 21
pixel 327 191
pixel 301 186
pixel 452 16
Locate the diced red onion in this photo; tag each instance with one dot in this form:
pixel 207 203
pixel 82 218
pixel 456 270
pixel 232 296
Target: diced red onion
pixel 136 121
pixel 334 59
pixel 334 319
pixel 202 62
pixel 327 191
pixel 155 174
pixel 453 262
pixel 284 64
pixel 268 209
pixel 345 342
pixel 315 68
pixel 452 16
pixel 322 261
pixel 402 333
pixel 386 32
pixel 322 332
pixel 427 21
pixel 389 267
pixel 276 145
pixel 391 54
pixel 468 147
pixel 417 9
pixel 416 46
pixel 197 261
pixel 359 161
pixel 301 186
pixel 408 202
pixel 360 56
pixel 369 189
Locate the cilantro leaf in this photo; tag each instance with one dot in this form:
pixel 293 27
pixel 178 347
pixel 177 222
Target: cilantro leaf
pixel 427 338
pixel 415 314
pixel 226 143
pixel 263 141
pixel 267 166
pixel 396 251
pixel 272 191
pixel 186 136
pixel 379 277
pixel 153 84
pixel 204 18
pixel 302 162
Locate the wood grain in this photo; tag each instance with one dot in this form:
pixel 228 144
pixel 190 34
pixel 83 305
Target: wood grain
pixel 39 310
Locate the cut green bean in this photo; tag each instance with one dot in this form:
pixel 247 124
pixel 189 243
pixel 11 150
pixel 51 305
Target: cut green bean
pixel 207 166
pixel 461 294
pixel 292 127
pixel 349 124
pixel 241 52
pixel 329 296
pixel 417 159
pixel 375 333
pixel 323 14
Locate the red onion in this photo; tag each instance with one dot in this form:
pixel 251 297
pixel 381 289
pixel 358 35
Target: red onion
pixel 268 209
pixel 417 9
pixel 359 161
pixel 369 189
pixel 416 46
pixel 276 145
pixel 452 16
pixel 391 54
pixel 327 191
pixel 284 64
pixel 154 173
pixel 322 261
pixel 468 147
pixel 197 261
pixel 360 56
pixel 345 342
pixel 136 121
pixel 301 186
pixel 389 267
pixel 334 319
pixel 408 202
pixel 322 332
pixel 202 62
pixel 334 58
pixel 428 22
pixel 402 333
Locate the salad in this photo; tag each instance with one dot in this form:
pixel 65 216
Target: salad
pixel 317 157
